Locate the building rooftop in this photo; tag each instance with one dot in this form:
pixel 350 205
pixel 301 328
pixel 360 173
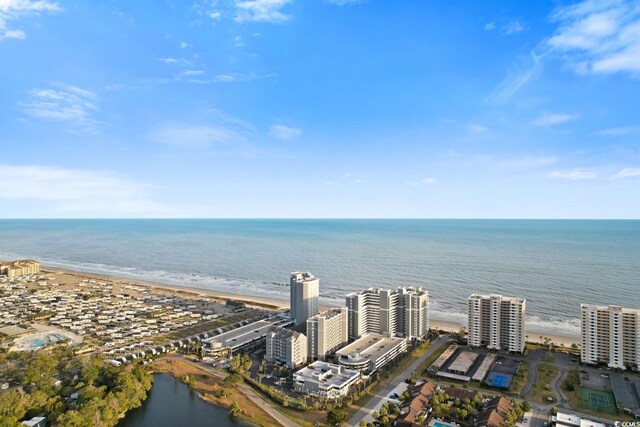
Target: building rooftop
pixel 516 300
pixel 370 346
pixel 565 419
pixel 326 375
pixel 484 367
pixel 283 333
pixel 302 276
pixel 328 314
pixel 244 334
pixel 463 363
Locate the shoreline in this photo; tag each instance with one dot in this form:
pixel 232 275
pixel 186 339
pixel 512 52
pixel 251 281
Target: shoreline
pixel 271 303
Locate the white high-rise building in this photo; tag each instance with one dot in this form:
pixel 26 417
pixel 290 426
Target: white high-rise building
pixel 286 347
pixel 416 313
pixel 610 334
pixel 304 293
pixel 327 332
pixel 497 322
pixel 401 312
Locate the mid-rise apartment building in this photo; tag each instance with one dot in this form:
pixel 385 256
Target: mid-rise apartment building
pixel 327 332
pixel 286 347
pixel 497 322
pixel 394 312
pixel 304 293
pixel 21 267
pixel 610 335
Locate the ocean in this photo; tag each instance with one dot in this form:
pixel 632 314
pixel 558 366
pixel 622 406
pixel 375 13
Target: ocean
pixel 555 264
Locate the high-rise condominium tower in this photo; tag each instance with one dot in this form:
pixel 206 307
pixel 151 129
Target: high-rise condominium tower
pixel 327 332
pixel 610 334
pixel 304 293
pixel 497 322
pixel 400 312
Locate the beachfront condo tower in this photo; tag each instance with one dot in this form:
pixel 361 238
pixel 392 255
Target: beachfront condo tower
pixel 401 312
pixel 304 293
pixel 327 332
pixel 610 335
pixel 497 322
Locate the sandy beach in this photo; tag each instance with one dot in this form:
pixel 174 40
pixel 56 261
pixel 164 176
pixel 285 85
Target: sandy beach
pixel 268 303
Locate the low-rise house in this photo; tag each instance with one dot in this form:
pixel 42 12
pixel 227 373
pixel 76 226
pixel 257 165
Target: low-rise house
pixel 495 413
pixel 416 406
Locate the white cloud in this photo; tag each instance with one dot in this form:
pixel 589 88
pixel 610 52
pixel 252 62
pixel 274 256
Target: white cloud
pixel 14 9
pixel 13 34
pixel 78 192
pixel 192 72
pixel 622 131
pixel 425 181
pixel 215 15
pixel 627 173
pixel 599 36
pixel 261 11
pixel 476 128
pixel 62 103
pixel 512 27
pixel 170 60
pixel 284 132
pixel 235 77
pixel 489 26
pixel 516 79
pixel 574 175
pixel 551 119
pixel 184 45
pixel 237 41
pixel 197 136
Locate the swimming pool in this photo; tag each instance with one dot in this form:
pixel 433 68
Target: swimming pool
pixel 40 341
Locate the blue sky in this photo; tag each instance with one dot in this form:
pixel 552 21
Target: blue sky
pixel 320 108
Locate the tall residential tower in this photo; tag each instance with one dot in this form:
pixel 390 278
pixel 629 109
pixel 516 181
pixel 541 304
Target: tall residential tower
pixel 497 322
pixel 304 293
pixel 610 334
pixel 401 312
pixel 327 332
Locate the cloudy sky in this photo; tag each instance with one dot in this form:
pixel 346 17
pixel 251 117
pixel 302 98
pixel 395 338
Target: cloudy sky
pixel 320 108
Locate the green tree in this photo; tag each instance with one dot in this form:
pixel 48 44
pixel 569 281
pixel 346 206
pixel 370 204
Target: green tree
pixel 233 380
pixel 234 410
pixel 336 417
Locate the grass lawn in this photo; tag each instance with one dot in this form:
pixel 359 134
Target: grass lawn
pixel 429 360
pixel 548 358
pixel 542 388
pixel 520 378
pixel 207 385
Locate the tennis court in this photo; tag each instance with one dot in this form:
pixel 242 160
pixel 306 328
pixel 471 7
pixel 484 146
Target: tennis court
pixel 499 380
pixel 600 401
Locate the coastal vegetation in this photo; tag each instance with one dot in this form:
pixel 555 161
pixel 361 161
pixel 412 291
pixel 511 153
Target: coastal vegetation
pixel 520 378
pixel 542 391
pixel 69 390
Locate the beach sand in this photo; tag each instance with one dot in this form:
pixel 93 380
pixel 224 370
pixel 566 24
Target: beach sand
pixel 262 302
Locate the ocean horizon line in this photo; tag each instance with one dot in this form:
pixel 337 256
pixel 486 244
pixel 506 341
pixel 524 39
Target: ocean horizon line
pixel 313 219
